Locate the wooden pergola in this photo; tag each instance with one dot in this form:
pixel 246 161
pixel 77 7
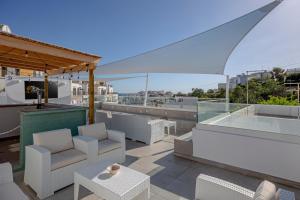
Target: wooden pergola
pixel 25 53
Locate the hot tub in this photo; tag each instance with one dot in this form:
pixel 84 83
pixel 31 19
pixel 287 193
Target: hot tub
pixel 261 144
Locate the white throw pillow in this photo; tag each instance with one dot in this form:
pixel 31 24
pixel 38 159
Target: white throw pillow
pixel 265 191
pixel 55 141
pixel 97 131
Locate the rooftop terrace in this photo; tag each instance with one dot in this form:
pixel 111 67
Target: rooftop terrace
pixel 171 177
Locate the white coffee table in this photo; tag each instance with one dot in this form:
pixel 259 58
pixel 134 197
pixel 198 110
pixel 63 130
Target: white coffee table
pixel 126 184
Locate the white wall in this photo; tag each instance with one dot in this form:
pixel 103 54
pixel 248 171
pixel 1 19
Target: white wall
pixel 288 111
pixel 268 153
pixel 15 92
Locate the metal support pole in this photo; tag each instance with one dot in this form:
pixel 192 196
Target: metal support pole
pixel 247 88
pixel 298 91
pixel 146 91
pixel 227 94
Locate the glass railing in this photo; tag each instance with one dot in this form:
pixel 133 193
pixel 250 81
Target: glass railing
pixel 211 109
pixel 187 103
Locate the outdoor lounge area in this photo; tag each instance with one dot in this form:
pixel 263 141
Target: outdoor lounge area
pixel 171 177
pixel 221 151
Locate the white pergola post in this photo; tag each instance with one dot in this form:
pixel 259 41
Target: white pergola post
pixel 227 94
pixel 146 91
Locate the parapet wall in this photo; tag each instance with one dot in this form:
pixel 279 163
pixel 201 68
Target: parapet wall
pixel 173 113
pixel 185 119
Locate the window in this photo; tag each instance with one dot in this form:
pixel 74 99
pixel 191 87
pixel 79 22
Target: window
pixel 79 91
pixel 17 72
pixel 3 71
pixel 74 91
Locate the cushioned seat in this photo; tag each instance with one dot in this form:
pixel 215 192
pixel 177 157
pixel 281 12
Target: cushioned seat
pixel 65 158
pixel 55 141
pixel 11 191
pixel 108 145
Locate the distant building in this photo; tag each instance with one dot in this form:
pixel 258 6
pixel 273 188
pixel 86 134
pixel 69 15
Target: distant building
pixel 241 79
pixel 293 71
pixel 104 92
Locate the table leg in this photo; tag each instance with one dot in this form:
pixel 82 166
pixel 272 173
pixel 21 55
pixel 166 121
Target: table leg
pixel 76 191
pixel 147 193
pixel 175 129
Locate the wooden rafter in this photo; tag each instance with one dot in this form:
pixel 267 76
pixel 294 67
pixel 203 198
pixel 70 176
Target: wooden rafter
pixel 25 53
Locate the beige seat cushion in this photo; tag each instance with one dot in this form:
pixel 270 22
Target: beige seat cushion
pixel 107 145
pixel 55 141
pixel 65 158
pixel 97 131
pixel 265 191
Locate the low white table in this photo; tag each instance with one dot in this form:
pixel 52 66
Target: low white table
pixel 125 185
pixel 169 124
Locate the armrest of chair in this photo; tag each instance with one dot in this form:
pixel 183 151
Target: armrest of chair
pixel 87 145
pixel 119 137
pixel 208 187
pixel 6 175
pixel 38 168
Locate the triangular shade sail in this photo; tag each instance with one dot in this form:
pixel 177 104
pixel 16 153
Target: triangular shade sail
pixel 204 53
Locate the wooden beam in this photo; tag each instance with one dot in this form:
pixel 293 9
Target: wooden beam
pixel 34 60
pixel 6 64
pixel 17 63
pixel 91 96
pixel 72 69
pixel 27 44
pixel 46 88
pixel 4 50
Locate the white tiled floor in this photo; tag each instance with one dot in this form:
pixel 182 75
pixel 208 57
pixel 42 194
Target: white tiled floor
pixel 172 178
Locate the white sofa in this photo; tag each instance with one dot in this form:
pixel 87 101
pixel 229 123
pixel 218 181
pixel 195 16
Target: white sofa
pixel 111 144
pixel 211 188
pixel 8 189
pixel 52 160
pixel 136 127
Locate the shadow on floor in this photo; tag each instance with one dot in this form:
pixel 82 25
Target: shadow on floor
pixel 9 150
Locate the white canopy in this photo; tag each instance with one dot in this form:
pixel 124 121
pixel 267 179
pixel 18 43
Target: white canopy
pixel 204 53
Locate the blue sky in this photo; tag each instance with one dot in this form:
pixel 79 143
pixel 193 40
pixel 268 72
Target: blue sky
pixel 116 29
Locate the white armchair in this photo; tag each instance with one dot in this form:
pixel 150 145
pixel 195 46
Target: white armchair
pixel 52 160
pixel 111 143
pixel 211 188
pixel 8 189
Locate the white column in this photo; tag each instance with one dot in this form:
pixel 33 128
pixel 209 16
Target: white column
pixel 227 94
pixel 146 91
pixel 106 92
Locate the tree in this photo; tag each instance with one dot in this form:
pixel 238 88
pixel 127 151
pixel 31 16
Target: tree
pixel 197 92
pixel 278 74
pixel 279 101
pixel 257 91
